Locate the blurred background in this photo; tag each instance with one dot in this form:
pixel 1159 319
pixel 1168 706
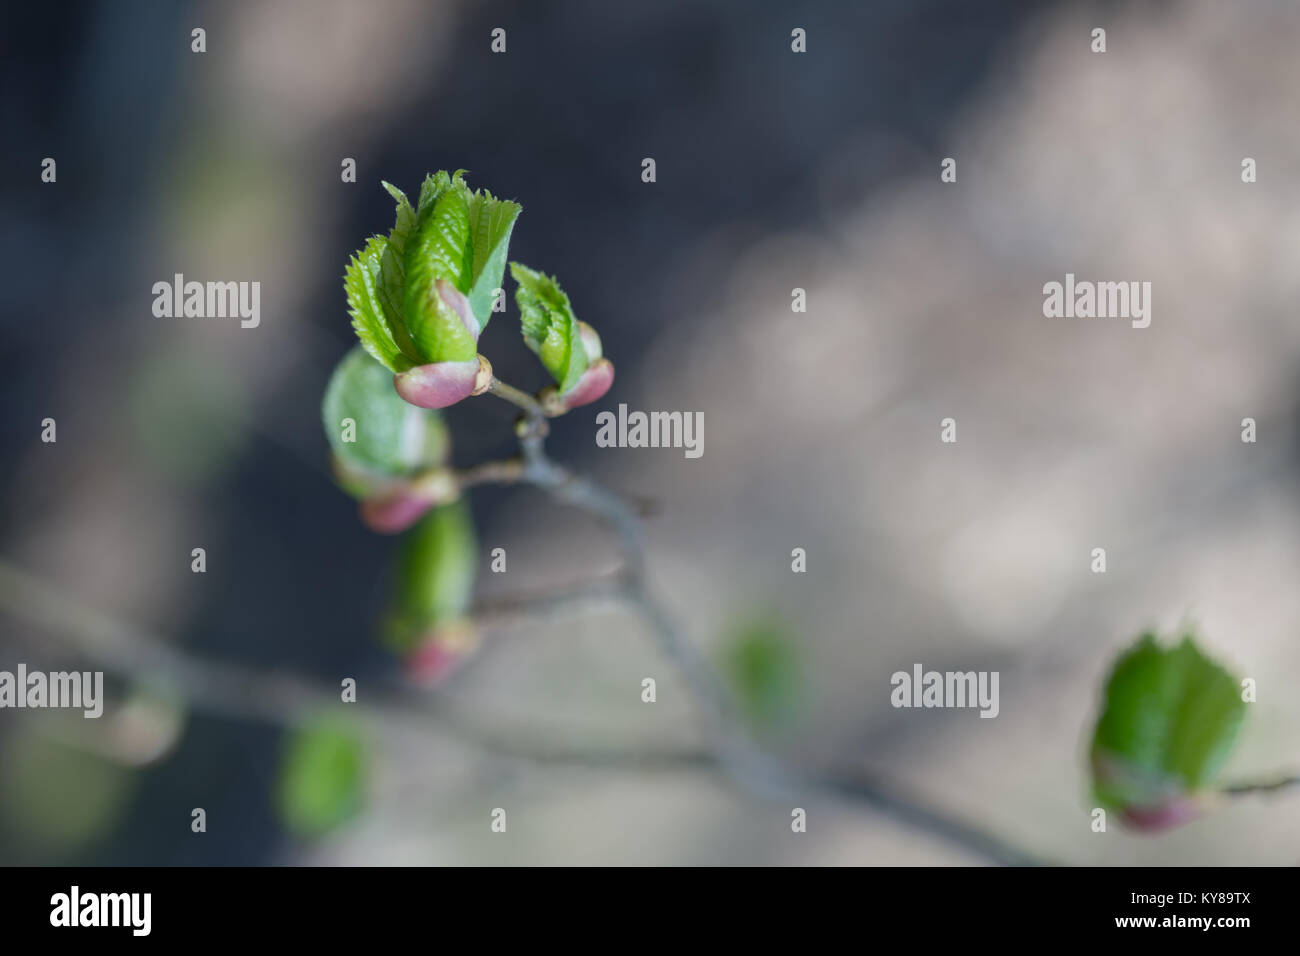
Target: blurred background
pixel 775 170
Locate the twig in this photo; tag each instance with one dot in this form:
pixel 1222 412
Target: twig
pixel 735 752
pixel 240 692
pixel 244 693
pixel 1260 786
pixel 605 587
pixel 913 813
pixel 517 397
pixel 507 472
pixel 532 427
pixel 739 755
pixel 227 689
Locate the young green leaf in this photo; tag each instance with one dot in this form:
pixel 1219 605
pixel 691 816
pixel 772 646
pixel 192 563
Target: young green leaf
pixel 371 429
pixel 392 277
pixel 491 221
pixel 549 326
pixel 435 575
pixel 362 281
pixel 421 296
pixel 1170 718
pixel 322 778
pixel 439 249
pixel 434 185
pixel 405 223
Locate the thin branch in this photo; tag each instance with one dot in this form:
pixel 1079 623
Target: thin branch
pixel 532 427
pixel 605 587
pixel 517 397
pixel 913 813
pixel 240 692
pixel 1261 786
pixel 734 752
pixel 244 693
pixel 512 471
pixel 507 472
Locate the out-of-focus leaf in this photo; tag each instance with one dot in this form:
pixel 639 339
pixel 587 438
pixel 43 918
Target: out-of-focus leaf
pixel 435 575
pixel 322 779
pixel 549 325
pixel 58 797
pixel 188 414
pixel 1168 724
pixel 764 670
pixel 391 437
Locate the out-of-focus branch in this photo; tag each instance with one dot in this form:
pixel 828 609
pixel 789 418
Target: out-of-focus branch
pixel 1241 788
pixel 233 690
pixel 733 750
pixel 532 427
pixel 245 693
pixel 513 471
pixel 283 699
pixel 507 472
pixel 737 753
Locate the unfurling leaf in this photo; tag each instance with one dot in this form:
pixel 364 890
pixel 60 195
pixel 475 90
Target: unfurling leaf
pixel 1168 724
pixel 387 453
pixel 429 622
pixel 420 298
pixel 363 282
pixel 322 778
pixel 440 249
pixel 491 221
pixel 392 279
pixel 434 185
pixel 372 430
pixel 549 326
pixel 569 349
pixel 422 295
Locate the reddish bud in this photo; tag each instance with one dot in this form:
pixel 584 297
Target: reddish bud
pixel 1163 816
pixel 438 384
pixel 440 652
pixel 397 507
pixel 592 386
pixel 361 482
pixel 590 341
pixel 393 513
